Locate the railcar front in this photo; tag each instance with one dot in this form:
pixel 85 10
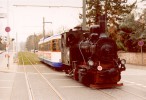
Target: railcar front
pixel 49 51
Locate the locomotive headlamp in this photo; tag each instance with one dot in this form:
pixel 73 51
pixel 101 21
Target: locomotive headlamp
pixel 91 63
pixel 99 68
pixel 123 61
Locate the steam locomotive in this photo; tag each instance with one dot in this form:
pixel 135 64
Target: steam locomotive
pixel 91 57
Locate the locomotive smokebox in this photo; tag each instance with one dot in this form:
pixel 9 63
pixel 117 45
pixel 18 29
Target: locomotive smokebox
pixel 95 29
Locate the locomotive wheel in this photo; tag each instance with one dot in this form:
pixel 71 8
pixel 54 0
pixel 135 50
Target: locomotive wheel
pixel 86 80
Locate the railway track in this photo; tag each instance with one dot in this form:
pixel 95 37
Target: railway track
pixel 31 97
pixel 53 88
pixel 120 93
pixel 39 73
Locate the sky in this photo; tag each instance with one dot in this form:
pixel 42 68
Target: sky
pixel 25 21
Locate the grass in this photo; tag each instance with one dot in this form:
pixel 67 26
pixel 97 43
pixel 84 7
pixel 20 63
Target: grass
pixel 24 56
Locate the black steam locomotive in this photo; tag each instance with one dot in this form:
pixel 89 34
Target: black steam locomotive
pixel 91 57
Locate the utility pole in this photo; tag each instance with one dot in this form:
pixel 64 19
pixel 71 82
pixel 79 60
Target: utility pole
pixel 84 15
pixel 44 26
pixel 34 42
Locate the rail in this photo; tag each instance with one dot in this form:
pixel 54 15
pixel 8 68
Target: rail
pixel 31 97
pixel 34 66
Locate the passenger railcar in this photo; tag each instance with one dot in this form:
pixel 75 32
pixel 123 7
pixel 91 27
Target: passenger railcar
pixel 50 51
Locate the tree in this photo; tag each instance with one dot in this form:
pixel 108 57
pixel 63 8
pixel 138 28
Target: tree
pixel 113 8
pixel 29 43
pixel 93 11
pixel 134 31
pixel 115 11
pixel 32 42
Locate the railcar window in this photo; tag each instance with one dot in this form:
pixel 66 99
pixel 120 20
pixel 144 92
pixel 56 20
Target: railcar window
pixel 59 44
pixel 46 46
pixel 49 46
pixel 54 47
pixel 41 47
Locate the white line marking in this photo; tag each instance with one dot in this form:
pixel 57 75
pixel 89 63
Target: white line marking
pixel 54 73
pixel 134 83
pixel 7 80
pixel 5 87
pixel 60 79
pixel 144 86
pixel 139 84
pixel 72 86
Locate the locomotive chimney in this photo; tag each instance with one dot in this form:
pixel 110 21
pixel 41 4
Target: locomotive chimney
pixel 103 23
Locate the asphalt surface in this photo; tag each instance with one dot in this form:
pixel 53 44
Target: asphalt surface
pixel 19 82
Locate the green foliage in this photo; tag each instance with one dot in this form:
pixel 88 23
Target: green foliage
pixel 27 58
pixel 133 31
pixel 93 11
pixel 116 12
pixel 113 9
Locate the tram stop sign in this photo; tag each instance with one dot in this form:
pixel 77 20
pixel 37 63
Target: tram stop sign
pixel 141 43
pixel 7 29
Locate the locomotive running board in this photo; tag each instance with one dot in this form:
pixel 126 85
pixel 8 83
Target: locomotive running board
pixel 105 86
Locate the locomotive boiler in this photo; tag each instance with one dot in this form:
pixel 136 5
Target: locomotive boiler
pixel 91 57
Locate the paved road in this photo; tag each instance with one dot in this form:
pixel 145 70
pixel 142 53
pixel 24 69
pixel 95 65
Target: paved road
pixel 7 76
pixel 17 83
